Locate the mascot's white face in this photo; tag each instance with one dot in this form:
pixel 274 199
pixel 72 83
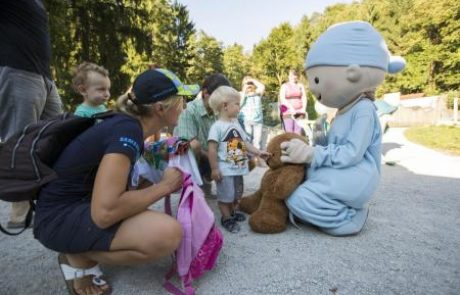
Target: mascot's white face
pixel 337 86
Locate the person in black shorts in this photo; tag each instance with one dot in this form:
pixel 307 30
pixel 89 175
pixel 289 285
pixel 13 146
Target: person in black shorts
pixel 88 214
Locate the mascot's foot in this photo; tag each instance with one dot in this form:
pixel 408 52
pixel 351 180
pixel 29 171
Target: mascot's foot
pixel 353 227
pixel 266 223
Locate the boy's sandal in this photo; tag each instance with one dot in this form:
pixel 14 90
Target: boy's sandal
pixel 71 273
pixel 230 225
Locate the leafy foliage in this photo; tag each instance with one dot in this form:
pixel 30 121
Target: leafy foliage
pixel 126 36
pixel 208 57
pixel 236 64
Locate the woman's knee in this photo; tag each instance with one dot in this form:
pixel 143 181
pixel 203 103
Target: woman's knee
pixel 151 233
pixel 173 234
pixel 165 240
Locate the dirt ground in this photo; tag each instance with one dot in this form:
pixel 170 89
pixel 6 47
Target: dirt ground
pixel 410 244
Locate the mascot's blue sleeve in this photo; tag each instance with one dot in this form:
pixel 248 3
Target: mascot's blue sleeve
pixel 347 143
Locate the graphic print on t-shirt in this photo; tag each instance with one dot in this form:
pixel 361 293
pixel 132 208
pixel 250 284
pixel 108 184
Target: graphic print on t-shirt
pixel 236 149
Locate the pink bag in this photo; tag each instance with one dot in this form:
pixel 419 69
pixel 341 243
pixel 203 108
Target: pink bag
pixel 201 242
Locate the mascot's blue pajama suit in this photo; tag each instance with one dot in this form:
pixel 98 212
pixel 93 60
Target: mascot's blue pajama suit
pixel 344 174
pixel 344 67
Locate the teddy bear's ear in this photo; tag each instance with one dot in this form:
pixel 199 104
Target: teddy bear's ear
pixel 354 73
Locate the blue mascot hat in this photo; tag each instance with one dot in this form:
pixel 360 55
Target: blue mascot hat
pixel 350 43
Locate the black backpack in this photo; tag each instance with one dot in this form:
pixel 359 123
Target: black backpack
pixel 27 157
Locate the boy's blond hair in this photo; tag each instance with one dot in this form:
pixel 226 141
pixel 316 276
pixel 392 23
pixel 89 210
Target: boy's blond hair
pixel 222 95
pixel 81 73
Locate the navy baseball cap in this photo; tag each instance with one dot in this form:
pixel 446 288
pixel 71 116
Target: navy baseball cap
pixel 158 84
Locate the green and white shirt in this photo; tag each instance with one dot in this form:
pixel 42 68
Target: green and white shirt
pixel 195 123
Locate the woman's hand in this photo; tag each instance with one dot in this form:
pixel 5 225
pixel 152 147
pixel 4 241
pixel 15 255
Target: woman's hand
pixel 172 179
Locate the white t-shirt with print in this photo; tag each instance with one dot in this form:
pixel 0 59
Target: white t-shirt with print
pixel 232 154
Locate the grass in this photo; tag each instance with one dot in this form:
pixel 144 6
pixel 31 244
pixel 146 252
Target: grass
pixel 444 138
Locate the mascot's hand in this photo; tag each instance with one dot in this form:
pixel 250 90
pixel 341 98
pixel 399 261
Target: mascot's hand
pixel 296 151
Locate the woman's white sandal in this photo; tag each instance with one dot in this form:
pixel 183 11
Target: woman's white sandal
pixel 71 273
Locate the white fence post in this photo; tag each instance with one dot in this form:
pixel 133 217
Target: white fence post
pixel 455 110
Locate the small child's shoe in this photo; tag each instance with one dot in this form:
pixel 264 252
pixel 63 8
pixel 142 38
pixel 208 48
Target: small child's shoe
pixel 238 216
pixel 230 224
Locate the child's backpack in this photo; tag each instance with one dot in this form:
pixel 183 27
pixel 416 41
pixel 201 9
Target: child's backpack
pixel 201 242
pixel 27 157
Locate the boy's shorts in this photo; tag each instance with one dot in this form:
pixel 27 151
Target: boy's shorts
pixel 230 188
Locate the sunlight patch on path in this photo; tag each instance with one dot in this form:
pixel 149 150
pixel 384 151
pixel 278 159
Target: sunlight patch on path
pixel 419 159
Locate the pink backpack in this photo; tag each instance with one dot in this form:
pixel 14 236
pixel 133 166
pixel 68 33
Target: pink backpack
pixel 201 242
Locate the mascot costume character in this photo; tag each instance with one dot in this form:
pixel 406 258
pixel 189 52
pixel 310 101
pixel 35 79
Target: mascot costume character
pixel 344 67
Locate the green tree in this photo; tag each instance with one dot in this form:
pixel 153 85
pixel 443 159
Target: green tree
pixel 236 64
pixel 273 57
pixel 431 32
pixel 301 41
pixel 207 57
pixel 124 36
pixel 107 33
pixel 173 49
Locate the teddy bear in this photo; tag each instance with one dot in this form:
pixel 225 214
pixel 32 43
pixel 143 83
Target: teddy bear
pixel 344 66
pixel 266 206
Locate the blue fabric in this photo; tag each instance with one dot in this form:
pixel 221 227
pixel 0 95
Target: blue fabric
pixel 343 175
pixel 232 154
pixel 63 221
pixel 384 108
pixel 350 43
pixel 84 110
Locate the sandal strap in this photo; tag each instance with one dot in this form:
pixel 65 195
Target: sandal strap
pixel 71 273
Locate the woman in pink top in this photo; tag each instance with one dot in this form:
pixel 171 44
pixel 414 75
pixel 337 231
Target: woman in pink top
pixel 293 104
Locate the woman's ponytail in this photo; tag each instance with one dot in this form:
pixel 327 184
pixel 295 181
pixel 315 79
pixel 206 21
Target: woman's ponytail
pixel 126 105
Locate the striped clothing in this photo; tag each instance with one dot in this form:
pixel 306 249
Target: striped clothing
pixel 195 122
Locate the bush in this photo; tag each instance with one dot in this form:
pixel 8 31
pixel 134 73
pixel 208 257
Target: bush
pixel 450 99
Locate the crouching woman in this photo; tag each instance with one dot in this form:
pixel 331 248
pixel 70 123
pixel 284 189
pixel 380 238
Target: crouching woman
pixel 87 214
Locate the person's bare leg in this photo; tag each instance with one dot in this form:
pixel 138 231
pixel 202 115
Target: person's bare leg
pixel 19 211
pixel 226 209
pixel 142 238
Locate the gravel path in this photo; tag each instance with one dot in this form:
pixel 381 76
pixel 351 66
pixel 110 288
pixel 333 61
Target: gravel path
pixel 411 244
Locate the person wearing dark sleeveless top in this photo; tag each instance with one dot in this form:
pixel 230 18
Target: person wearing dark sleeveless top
pixel 88 214
pixel 293 104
